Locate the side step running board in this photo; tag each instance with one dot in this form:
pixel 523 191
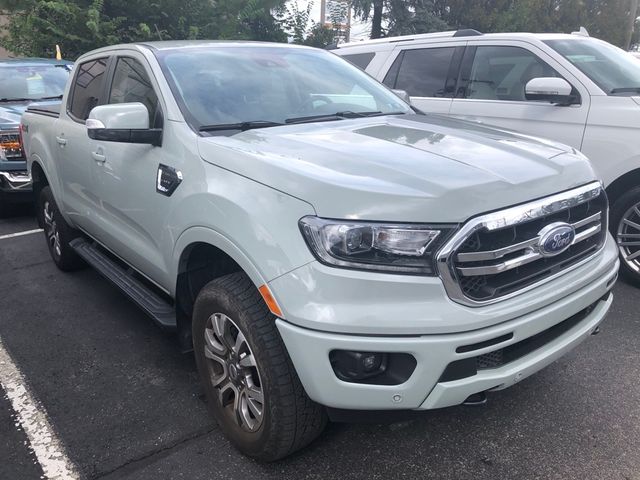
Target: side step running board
pixel 153 304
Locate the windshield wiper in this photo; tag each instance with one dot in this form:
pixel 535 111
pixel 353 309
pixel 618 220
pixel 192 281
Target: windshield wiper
pixel 625 90
pixel 54 97
pixel 7 100
pixel 327 117
pixel 242 126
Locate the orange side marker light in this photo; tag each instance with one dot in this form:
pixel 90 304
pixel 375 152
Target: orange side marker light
pixel 270 301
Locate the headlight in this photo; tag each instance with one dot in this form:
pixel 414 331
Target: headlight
pixel 396 248
pixel 10 146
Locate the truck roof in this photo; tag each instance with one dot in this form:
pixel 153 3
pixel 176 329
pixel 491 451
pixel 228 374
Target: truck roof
pixel 173 44
pixel 463 34
pixel 33 61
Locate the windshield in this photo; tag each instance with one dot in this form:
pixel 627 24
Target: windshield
pixel 612 69
pixel 260 86
pixel 32 82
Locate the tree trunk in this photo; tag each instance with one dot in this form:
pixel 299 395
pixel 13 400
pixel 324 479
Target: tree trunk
pixel 376 20
pixel 633 15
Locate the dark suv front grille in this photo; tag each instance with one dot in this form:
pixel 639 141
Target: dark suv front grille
pixel 494 260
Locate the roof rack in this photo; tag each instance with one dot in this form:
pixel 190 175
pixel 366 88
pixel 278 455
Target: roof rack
pixel 583 32
pixel 467 32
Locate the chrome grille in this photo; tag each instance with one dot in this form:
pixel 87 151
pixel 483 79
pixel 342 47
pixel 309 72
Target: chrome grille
pixel 499 254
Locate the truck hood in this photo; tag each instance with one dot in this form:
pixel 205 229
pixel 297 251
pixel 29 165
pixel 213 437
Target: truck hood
pixel 413 168
pixel 10 115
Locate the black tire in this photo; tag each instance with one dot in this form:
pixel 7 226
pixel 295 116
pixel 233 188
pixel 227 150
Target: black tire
pixel 621 209
pixel 4 210
pixel 54 225
pixel 290 420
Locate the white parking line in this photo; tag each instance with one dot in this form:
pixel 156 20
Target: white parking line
pixel 19 234
pixel 32 418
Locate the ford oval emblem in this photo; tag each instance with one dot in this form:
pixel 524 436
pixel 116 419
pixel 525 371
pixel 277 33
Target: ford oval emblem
pixel 555 238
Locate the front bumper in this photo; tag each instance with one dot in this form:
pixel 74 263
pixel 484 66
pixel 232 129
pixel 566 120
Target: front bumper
pixel 530 314
pixel 15 186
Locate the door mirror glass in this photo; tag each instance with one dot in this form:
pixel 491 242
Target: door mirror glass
pixel 122 122
pixel 550 89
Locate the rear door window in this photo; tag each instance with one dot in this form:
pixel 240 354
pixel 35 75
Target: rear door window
pixel 421 72
pixel 88 87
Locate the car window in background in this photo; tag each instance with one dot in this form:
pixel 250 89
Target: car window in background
pixel 270 84
pixel 360 60
pixel 131 84
pixel 32 82
pixel 501 73
pixel 612 69
pixel 421 72
pixel 87 88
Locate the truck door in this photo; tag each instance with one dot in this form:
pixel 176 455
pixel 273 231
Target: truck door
pixel 491 89
pixel 74 146
pixel 132 212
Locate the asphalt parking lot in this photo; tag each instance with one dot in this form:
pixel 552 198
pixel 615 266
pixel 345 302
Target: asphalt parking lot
pixel 125 403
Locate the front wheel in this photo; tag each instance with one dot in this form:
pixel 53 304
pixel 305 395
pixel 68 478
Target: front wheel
pixel 625 227
pixel 252 388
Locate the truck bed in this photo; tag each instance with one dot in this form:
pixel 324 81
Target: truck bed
pixel 47 109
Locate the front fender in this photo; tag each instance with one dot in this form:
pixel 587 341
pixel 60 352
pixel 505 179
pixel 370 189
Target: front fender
pixel 215 239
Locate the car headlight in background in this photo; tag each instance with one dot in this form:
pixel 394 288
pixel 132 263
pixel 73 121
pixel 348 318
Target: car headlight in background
pixel 393 248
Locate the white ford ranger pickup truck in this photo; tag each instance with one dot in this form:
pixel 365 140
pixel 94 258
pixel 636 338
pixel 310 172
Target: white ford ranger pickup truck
pixel 322 247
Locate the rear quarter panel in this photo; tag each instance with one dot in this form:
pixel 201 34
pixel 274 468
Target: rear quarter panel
pixel 39 140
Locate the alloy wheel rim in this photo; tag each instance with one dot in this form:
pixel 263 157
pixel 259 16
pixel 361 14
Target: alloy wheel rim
pixel 233 371
pixel 51 229
pixel 628 237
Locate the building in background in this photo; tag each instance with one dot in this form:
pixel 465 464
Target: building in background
pixel 336 14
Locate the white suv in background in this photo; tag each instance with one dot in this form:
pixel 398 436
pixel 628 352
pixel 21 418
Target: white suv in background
pixel 573 89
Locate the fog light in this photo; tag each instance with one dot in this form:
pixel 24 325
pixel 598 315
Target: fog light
pixel 372 368
pixel 371 361
pixel 352 366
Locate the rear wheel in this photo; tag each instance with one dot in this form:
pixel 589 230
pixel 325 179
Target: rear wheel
pixel 58 233
pixel 625 226
pixel 252 388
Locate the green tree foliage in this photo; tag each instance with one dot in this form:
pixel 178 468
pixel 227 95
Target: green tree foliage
pixel 408 17
pixel 611 20
pixel 36 26
pixel 398 17
pixel 606 19
pixel 302 29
